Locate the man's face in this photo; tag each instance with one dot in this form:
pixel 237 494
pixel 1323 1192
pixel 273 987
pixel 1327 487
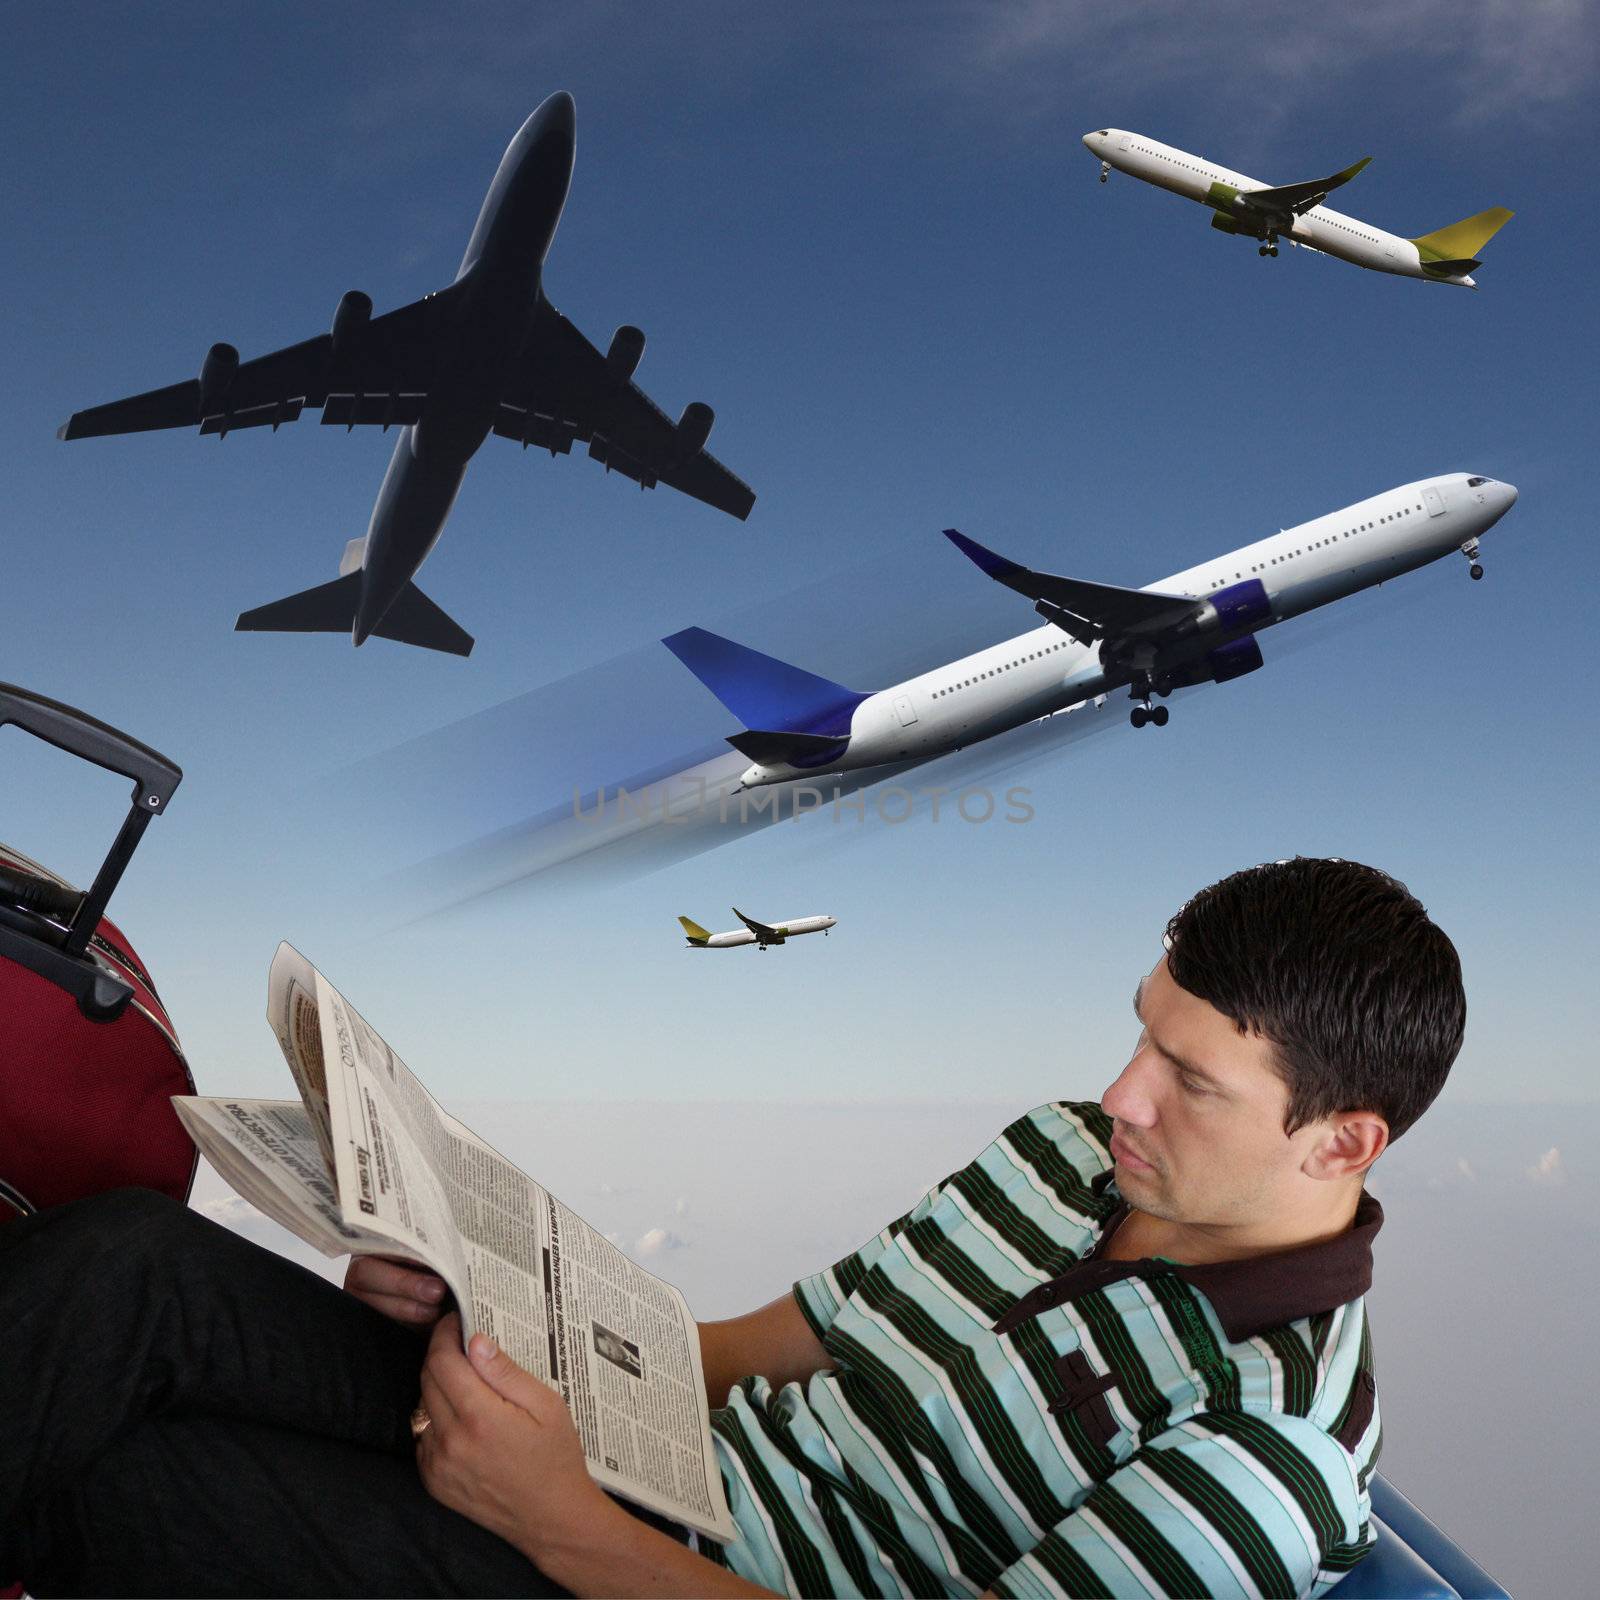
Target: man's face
pixel 1199 1114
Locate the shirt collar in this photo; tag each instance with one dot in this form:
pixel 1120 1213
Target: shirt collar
pixel 1249 1296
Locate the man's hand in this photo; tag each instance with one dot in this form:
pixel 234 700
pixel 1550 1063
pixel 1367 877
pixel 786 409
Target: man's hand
pixel 398 1291
pixel 501 1447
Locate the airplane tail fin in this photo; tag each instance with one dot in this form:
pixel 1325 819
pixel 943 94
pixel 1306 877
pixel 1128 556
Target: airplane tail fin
pixel 331 608
pixel 765 693
pixel 694 932
pixel 1450 250
pixel 355 552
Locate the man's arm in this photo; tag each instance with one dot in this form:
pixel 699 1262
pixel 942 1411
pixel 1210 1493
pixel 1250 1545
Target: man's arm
pixel 501 1448
pixel 776 1342
pixel 1234 1505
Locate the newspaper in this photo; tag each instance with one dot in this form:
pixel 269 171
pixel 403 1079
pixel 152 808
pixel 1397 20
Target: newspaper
pixel 367 1162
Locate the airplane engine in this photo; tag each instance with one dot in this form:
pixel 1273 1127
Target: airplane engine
pixel 217 373
pixel 1242 605
pixel 1222 665
pixel 1223 224
pixel 694 428
pixel 623 354
pixel 350 323
pixel 1234 659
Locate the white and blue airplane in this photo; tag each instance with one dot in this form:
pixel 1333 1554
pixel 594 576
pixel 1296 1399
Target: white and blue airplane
pixel 760 934
pixel 1198 626
pixel 1295 211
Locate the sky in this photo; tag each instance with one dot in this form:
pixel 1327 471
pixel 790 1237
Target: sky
pixel 869 237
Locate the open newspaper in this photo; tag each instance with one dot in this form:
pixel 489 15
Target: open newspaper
pixel 368 1163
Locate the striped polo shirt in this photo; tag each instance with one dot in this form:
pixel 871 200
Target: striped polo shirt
pixel 1008 1412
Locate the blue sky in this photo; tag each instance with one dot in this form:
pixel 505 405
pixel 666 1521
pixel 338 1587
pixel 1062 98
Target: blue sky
pixel 870 238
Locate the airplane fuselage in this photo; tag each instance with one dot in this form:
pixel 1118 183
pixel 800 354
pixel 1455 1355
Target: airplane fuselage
pixel 786 930
pixel 1045 671
pixel 1321 228
pixel 490 307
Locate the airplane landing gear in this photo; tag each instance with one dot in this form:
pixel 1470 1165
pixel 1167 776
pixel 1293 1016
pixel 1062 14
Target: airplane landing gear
pixel 1268 249
pixel 1470 551
pixel 1143 711
pixel 1105 170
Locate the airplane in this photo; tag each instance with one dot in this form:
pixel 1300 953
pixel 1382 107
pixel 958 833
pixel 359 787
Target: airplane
pixel 489 353
pixel 1295 211
pixel 760 934
pixel 1197 626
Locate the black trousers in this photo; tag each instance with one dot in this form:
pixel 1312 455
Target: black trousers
pixel 183 1412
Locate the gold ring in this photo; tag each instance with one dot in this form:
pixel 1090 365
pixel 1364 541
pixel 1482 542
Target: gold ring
pixel 420 1421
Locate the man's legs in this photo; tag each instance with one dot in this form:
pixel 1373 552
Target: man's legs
pixel 129 1320
pixel 206 1505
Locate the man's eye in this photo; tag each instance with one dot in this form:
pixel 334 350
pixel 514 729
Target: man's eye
pixel 1193 1085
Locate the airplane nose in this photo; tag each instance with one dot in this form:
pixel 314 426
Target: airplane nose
pixel 1088 141
pixel 1511 494
pixel 562 110
pixel 556 116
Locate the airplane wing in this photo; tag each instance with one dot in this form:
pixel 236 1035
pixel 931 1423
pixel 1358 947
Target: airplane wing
pixel 1296 198
pixel 759 929
pixel 1101 609
pixel 381 376
pixel 566 391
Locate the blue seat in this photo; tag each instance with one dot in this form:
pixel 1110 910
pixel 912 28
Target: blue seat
pixel 1413 1560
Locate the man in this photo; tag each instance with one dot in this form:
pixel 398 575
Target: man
pixel 1122 1352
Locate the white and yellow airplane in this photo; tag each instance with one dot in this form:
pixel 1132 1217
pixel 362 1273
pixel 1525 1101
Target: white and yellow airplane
pixel 1295 211
pixel 760 934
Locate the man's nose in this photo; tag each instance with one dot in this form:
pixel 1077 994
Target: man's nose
pixel 1128 1099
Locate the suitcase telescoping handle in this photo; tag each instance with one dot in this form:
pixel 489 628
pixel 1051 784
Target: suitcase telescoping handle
pixel 154 780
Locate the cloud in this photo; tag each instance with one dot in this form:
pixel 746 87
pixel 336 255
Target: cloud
pixel 1477 62
pixel 1549 1168
pixel 657 1241
pixel 232 1211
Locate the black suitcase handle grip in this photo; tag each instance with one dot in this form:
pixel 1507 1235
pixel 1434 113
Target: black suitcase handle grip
pixel 60 956
pixel 79 734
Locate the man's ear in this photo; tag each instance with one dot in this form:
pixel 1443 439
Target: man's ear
pixel 1350 1142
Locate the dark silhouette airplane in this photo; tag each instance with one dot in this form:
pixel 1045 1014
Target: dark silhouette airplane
pixel 487 354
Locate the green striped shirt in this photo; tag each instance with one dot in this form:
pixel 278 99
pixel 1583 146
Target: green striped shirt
pixel 1129 1429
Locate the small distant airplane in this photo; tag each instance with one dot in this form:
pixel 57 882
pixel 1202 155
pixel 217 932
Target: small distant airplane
pixel 1295 211
pixel 487 354
pixel 1198 626
pixel 760 934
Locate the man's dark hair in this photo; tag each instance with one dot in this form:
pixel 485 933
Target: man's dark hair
pixel 1338 966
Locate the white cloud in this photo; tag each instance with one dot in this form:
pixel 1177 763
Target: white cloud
pixel 232 1211
pixel 1489 59
pixel 656 1241
pixel 1549 1168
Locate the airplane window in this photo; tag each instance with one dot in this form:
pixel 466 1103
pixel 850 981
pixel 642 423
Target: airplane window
pixel 1472 483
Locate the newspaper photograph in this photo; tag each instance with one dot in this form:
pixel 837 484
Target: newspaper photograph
pixel 370 1163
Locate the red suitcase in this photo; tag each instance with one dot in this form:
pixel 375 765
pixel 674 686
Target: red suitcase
pixel 89 1060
